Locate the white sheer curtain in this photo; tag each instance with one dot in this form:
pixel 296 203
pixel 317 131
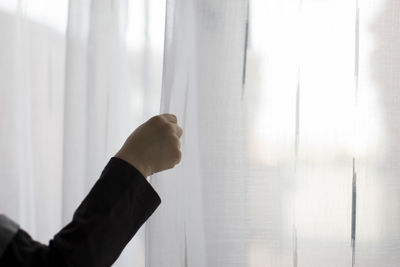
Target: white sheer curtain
pixel 113 76
pixel 32 57
pixel 76 78
pixel 289 108
pixel 290 111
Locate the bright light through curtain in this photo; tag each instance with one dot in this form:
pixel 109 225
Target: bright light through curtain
pixel 289 108
pixel 290 153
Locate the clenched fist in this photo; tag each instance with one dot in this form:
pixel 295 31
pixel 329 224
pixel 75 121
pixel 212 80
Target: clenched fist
pixel 154 146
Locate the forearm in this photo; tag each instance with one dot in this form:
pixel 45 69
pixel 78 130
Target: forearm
pixel 22 250
pixel 114 210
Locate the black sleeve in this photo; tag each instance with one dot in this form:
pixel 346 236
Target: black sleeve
pixel 113 211
pixel 23 251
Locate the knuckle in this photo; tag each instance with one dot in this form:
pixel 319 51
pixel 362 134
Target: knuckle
pixel 157 119
pixel 174 117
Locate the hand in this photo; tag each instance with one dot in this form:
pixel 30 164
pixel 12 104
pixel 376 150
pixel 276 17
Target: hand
pixel 154 146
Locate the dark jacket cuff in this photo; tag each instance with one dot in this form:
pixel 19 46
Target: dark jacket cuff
pixel 147 193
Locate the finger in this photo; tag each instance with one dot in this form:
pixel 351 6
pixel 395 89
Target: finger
pixel 179 131
pixel 177 142
pixel 170 117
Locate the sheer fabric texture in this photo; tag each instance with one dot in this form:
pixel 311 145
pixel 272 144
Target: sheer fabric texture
pixel 289 109
pixel 77 77
pixel 290 148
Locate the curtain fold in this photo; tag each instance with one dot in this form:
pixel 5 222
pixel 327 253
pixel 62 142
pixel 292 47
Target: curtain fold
pixel 111 85
pixel 202 84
